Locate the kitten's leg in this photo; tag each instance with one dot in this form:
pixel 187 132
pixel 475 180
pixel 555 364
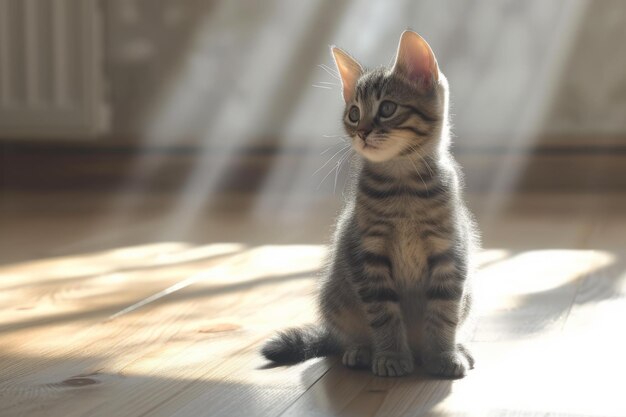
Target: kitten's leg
pixel 391 354
pixel 357 357
pixel 468 355
pixel 441 354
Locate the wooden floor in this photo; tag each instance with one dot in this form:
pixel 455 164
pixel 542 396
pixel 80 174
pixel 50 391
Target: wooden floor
pixel 101 315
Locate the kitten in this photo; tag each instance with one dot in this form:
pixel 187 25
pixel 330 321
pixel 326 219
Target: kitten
pixel 396 287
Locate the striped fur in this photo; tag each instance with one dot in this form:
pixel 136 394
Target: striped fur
pixel 397 287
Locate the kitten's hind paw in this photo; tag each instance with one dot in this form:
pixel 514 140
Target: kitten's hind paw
pixel 392 364
pixel 357 357
pixel 447 364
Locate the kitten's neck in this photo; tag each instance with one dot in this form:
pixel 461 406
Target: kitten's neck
pixel 424 162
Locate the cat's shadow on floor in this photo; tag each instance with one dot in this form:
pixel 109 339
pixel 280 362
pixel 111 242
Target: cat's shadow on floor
pixel 342 390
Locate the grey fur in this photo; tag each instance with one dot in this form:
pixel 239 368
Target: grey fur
pixel 397 288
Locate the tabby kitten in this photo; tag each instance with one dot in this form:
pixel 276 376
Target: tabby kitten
pixel 396 288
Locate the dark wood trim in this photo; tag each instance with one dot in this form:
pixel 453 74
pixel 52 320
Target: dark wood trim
pixel 68 166
pixel 65 148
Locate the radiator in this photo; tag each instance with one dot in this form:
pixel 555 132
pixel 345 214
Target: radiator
pixel 50 69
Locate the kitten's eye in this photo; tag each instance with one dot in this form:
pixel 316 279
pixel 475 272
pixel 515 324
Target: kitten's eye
pixel 354 114
pixel 387 108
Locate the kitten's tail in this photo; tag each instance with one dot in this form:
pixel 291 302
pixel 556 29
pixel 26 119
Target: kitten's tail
pixel 299 344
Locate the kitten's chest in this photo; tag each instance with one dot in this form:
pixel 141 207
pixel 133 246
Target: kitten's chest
pixel 409 251
pixel 413 241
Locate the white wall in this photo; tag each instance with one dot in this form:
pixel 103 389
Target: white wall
pixel 206 70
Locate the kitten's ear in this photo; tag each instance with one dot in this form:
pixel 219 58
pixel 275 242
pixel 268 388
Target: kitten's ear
pixel 416 61
pixel 349 70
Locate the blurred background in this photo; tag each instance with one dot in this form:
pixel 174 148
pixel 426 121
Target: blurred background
pixel 138 122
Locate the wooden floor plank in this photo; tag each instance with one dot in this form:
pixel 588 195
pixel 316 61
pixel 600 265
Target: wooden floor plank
pixel 522 345
pixel 175 330
pixel 47 315
pixel 166 349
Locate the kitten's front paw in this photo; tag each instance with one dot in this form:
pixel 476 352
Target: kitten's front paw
pixel 392 364
pixel 357 357
pixel 468 355
pixel 447 364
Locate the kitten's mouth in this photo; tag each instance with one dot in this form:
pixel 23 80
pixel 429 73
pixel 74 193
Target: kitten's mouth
pixel 372 143
pixel 375 148
pixel 369 146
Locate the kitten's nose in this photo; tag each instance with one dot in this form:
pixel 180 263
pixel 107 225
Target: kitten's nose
pixel 363 133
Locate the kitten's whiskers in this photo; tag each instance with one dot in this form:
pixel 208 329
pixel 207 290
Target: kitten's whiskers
pixel 335 136
pixel 330 71
pixel 425 163
pixel 330 172
pixel 331 158
pixel 331 147
pixel 343 158
pixel 415 166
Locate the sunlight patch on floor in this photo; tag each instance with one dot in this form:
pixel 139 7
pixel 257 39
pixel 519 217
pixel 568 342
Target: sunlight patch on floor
pixel 105 262
pixel 538 271
pixel 548 374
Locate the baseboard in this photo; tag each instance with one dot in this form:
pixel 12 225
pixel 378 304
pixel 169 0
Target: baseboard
pixel 34 167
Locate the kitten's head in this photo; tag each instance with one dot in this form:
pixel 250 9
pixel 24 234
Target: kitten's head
pixel 393 112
